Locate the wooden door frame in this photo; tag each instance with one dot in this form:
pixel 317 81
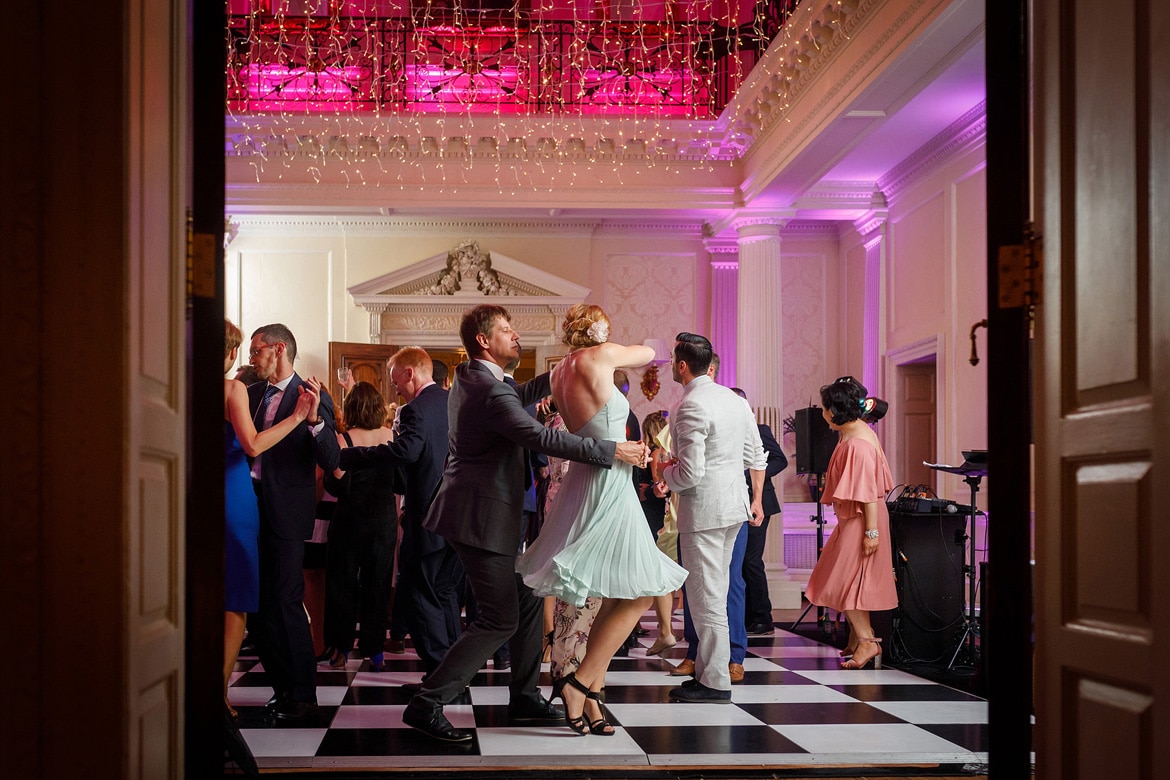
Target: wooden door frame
pixel 1007 594
pixel 929 347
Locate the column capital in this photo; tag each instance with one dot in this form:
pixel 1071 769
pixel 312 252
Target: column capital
pixel 749 228
pixel 720 245
pixel 375 311
pixel 870 225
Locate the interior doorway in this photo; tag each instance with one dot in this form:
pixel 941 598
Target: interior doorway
pixel 917 416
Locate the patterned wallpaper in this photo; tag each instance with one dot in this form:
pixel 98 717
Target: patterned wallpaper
pixel 648 296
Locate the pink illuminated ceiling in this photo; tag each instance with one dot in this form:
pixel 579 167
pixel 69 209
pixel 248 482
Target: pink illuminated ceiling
pixel 487 56
pixel 918 97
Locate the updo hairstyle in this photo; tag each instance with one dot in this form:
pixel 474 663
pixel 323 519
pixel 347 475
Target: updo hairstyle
pixel 585 325
pixel 845 399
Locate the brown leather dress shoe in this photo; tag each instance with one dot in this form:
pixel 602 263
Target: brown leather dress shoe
pixel 736 672
pixel 685 668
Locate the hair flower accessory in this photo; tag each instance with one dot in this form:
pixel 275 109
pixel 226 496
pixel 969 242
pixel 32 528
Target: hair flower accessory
pixel 599 332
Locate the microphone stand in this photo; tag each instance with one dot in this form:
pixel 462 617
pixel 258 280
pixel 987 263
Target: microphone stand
pixel 972 474
pixel 819 519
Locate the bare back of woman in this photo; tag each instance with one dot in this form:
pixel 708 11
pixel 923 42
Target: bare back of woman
pixel 582 382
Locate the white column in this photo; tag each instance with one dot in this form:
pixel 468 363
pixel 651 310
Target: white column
pixel 724 306
pixel 872 231
pixel 760 366
pixel 760 333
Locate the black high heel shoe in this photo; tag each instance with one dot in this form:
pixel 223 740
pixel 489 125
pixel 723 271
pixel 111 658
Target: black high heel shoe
pixel 601 726
pixel 578 724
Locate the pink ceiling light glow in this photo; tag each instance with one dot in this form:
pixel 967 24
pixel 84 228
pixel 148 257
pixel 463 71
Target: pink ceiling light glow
pixel 492 56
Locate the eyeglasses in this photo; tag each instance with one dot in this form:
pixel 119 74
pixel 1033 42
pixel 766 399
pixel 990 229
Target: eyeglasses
pixel 253 352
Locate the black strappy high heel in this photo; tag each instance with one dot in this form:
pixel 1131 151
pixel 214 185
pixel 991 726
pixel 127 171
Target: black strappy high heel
pixel 600 725
pixel 578 724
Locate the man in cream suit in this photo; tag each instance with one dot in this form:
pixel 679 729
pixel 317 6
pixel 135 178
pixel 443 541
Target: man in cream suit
pixel 714 438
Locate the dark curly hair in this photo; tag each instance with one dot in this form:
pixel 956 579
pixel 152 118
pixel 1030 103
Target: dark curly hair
pixel 845 399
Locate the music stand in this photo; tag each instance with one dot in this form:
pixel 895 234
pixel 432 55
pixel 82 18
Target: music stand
pixel 973 470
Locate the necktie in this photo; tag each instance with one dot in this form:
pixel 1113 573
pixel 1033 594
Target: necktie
pixel 262 411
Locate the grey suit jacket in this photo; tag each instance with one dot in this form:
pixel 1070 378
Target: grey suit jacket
pixel 481 497
pixel 714 437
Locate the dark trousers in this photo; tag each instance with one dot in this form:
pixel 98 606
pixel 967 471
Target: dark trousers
pixel 508 610
pixel 280 630
pixel 357 581
pixel 757 603
pixel 427 603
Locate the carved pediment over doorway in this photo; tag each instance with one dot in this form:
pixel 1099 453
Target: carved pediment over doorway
pixel 422 303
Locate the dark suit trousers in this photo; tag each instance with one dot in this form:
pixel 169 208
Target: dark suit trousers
pixel 281 629
pixel 427 601
pixel 357 585
pixel 508 609
pixel 757 603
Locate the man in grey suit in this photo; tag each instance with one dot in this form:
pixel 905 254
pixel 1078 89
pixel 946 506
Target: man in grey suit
pixel 714 437
pixel 478 510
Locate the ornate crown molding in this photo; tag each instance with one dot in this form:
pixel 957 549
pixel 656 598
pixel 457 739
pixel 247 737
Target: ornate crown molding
pixel 965 133
pixel 423 302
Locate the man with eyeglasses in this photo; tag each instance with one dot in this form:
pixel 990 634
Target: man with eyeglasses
pixel 285 481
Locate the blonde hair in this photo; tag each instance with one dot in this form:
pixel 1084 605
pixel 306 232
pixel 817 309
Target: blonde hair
pixel 577 323
pixel 232 337
pixel 651 425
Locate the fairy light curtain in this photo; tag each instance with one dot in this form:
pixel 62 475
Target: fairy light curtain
pixel 619 58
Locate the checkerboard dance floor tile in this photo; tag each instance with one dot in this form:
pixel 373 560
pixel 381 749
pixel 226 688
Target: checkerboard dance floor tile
pixel 796 707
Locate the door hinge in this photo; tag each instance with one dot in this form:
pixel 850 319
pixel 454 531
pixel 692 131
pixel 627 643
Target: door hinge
pixel 1021 271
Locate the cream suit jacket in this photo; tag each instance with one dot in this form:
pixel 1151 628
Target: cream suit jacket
pixel 715 437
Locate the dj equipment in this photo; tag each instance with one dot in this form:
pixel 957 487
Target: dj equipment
pixel 815 441
pixel 913 505
pixel 928 566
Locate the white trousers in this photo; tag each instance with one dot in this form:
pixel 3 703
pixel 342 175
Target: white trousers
pixel 707 558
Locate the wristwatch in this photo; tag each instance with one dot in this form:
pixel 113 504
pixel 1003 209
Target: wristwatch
pixel 871 533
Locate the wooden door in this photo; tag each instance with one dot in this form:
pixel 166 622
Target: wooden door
pixel 367 362
pixel 916 412
pixel 1103 389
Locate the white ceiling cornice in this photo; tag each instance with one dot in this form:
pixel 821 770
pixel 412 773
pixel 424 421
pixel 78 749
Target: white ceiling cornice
pixel 879 33
pixel 970 130
pixel 323 224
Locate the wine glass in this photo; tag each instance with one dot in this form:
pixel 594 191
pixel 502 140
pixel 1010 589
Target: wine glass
pixel 343 375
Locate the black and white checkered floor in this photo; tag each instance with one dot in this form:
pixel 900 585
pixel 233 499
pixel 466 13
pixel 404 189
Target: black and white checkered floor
pixel 796 707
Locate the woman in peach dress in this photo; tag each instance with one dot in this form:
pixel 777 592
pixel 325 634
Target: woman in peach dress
pixel 855 573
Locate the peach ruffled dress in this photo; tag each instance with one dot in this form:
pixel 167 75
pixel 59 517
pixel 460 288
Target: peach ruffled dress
pixel 844 577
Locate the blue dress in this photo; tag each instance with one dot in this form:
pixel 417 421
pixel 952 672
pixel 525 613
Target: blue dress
pixel 241 531
pixel 594 541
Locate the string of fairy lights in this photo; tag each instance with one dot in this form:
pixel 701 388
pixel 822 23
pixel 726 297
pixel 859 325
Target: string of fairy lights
pixel 419 92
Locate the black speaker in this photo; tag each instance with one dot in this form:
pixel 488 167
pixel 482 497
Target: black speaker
pixel 928 565
pixel 815 441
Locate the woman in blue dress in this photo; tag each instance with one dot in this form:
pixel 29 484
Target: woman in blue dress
pixel 594 541
pixel 241 513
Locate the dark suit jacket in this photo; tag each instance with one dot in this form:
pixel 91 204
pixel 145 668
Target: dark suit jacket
pixel 777 462
pixel 481 499
pixel 420 449
pixel 288 484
